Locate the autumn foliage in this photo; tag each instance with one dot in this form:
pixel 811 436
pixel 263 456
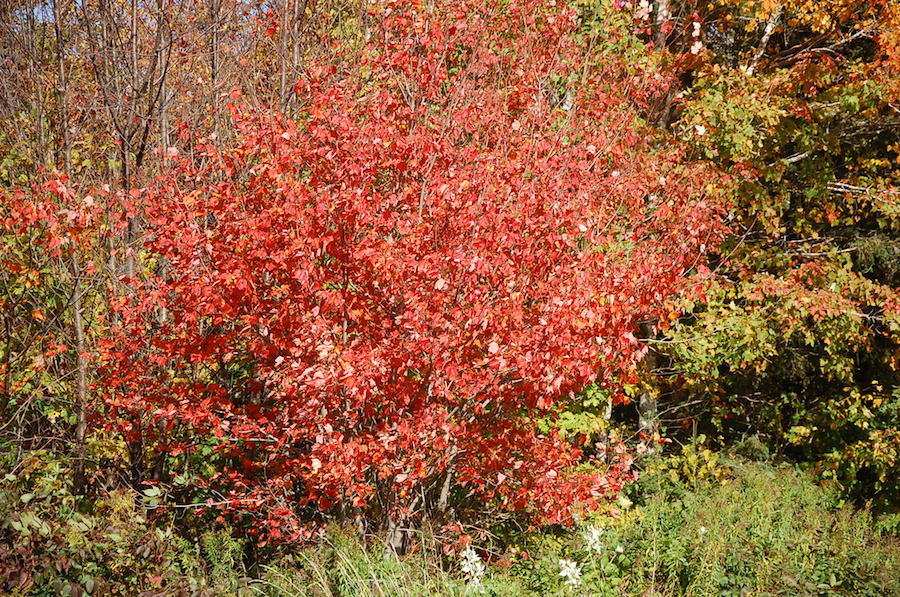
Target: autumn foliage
pixel 42 229
pixel 384 303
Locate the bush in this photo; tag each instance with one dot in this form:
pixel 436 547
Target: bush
pixel 376 330
pixel 52 543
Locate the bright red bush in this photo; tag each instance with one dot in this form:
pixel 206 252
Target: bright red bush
pixel 461 228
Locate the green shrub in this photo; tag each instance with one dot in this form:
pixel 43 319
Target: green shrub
pixel 741 529
pixel 762 530
pixel 52 543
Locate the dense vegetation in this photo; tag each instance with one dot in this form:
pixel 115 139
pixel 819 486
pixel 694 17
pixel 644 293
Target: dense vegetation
pixel 728 527
pixel 518 284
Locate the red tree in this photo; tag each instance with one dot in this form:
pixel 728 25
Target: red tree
pixel 380 302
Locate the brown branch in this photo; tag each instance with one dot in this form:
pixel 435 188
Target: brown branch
pixel 767 34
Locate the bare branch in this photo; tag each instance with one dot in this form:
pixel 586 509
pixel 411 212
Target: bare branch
pixel 761 50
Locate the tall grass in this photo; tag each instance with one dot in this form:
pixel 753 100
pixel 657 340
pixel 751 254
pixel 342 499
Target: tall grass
pixel 758 530
pixel 340 566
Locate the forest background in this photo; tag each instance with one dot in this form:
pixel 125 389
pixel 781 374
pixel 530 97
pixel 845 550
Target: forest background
pixel 440 272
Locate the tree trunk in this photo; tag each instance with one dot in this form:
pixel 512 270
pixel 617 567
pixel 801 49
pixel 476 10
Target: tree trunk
pixel 81 362
pixel 62 89
pixel 78 477
pixel 648 405
pixel 663 13
pixel 214 8
pixel 283 51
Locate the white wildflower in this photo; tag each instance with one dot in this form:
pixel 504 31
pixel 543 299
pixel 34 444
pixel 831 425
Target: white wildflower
pixel 702 530
pixel 472 567
pixel 571 571
pixel 592 536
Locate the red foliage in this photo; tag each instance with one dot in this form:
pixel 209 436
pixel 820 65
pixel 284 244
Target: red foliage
pixel 52 210
pixel 461 228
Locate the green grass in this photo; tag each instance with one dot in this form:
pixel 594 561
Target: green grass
pixel 341 567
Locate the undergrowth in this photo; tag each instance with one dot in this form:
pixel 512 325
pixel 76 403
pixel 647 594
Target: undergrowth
pixel 696 525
